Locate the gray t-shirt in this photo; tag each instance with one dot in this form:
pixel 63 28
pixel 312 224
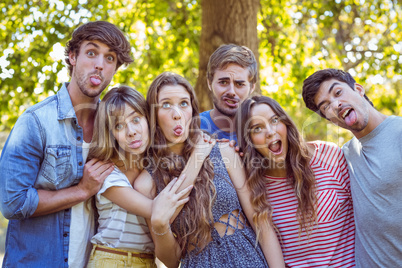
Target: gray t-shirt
pixel 375 166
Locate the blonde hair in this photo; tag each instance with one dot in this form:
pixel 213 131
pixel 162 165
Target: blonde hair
pixel 104 146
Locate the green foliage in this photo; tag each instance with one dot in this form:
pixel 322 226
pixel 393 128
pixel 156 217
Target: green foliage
pixel 164 36
pixel 300 37
pixel 296 38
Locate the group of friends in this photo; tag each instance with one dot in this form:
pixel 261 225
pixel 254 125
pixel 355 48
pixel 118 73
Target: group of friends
pixel 122 181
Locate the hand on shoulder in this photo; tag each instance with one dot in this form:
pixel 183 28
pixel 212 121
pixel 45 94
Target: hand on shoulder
pixel 204 145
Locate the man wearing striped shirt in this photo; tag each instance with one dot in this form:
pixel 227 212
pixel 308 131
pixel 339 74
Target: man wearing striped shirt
pixel 374 159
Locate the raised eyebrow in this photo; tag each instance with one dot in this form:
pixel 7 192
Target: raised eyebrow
pixel 97 46
pixel 164 99
pixel 92 44
pixel 168 99
pixel 132 113
pixel 121 118
pixel 274 116
pixel 254 125
pixel 329 92
pixel 259 123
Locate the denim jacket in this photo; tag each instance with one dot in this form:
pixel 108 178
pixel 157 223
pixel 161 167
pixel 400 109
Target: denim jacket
pixel 43 151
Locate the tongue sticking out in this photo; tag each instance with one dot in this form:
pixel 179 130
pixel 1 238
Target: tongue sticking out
pixel 351 118
pixel 178 131
pixel 275 147
pixel 95 81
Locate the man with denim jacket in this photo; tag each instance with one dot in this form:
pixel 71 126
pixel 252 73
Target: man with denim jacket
pixel 42 166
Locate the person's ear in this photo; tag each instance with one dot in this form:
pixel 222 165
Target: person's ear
pixel 72 58
pixel 360 89
pixel 209 86
pixel 252 89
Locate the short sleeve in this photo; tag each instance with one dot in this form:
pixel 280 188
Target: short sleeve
pixel 116 178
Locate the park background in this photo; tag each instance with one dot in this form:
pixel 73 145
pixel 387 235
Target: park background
pixel 290 38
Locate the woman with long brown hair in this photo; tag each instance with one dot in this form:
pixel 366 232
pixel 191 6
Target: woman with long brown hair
pixel 121 136
pixel 213 229
pixel 303 187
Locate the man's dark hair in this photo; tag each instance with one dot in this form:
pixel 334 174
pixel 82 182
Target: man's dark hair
pixel 104 32
pixel 312 84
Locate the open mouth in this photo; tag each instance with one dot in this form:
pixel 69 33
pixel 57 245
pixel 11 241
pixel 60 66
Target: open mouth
pixel 233 103
pixel 275 147
pixel 346 112
pixel 349 115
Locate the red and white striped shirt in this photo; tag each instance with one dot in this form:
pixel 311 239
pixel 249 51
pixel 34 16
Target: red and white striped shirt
pixel 331 241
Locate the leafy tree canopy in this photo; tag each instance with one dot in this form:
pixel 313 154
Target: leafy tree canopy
pixel 296 38
pixel 361 37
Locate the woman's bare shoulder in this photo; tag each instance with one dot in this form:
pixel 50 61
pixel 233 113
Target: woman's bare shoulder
pixel 145 184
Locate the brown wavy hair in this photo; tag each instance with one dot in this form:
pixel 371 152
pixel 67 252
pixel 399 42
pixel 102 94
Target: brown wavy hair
pixel 104 32
pixel 299 173
pixel 193 225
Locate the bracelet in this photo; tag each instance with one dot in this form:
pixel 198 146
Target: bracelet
pixel 160 234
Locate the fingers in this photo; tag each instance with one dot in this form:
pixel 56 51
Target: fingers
pixel 232 143
pixel 92 161
pixel 97 167
pixel 171 188
pixel 105 168
pixel 182 201
pixel 237 149
pixel 95 173
pixel 178 182
pixel 208 138
pixel 204 138
pixel 184 191
pixel 103 175
pixel 170 185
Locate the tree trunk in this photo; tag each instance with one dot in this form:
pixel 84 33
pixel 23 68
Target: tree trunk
pixel 224 22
